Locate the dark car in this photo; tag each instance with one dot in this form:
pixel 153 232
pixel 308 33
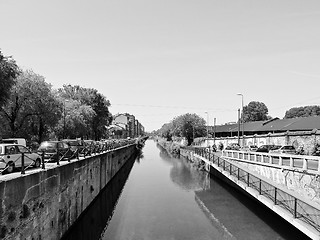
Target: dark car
pixel 266 148
pixel 76 145
pixel 54 150
pixel 233 146
pixel 89 146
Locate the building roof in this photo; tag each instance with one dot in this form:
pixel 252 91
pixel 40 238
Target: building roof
pixel 274 125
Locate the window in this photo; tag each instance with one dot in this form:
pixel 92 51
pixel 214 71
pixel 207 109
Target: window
pixel 22 149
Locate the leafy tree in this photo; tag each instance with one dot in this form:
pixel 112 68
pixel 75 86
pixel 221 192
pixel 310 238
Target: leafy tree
pixel 255 111
pixel 305 111
pixel 99 104
pixel 32 110
pixel 75 120
pixel 8 72
pixel 188 125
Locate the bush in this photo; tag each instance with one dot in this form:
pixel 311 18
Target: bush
pixel 220 146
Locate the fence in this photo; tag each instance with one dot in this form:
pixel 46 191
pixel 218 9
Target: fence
pixel 296 207
pixel 301 162
pixel 40 160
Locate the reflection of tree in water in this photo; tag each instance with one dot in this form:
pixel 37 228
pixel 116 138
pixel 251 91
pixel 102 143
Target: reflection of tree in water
pixel 189 177
pixel 139 156
pixel 185 174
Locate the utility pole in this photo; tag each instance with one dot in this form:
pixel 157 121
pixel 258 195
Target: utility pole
pixel 239 126
pixel 214 131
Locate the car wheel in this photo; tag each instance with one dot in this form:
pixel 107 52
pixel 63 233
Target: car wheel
pixel 10 167
pixel 37 164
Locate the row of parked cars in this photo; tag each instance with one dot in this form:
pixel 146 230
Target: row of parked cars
pixel 11 152
pixel 268 148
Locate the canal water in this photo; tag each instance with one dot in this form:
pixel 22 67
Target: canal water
pixel 159 197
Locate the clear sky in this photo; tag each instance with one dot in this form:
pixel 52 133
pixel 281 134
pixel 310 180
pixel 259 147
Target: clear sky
pixel 160 59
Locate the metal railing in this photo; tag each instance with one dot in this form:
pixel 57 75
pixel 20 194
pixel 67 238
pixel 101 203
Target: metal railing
pixel 296 207
pixel 301 162
pixel 69 155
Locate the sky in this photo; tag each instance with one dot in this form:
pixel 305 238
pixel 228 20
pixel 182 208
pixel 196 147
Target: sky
pixel 161 59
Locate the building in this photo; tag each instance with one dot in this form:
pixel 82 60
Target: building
pixel 125 125
pixel 274 125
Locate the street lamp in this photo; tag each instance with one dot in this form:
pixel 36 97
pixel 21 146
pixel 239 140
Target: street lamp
pixel 207 127
pixel 64 118
pixel 242 115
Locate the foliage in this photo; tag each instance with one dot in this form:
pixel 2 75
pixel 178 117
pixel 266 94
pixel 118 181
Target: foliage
pixel 8 72
pixel 305 111
pixel 75 119
pixel 171 147
pixel 316 150
pixel 255 111
pixel 189 126
pixel 97 114
pixel 220 146
pixel 32 110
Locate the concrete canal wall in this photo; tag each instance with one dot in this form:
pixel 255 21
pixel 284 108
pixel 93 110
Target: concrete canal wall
pixel 305 139
pixel 307 186
pixel 43 204
pixel 283 180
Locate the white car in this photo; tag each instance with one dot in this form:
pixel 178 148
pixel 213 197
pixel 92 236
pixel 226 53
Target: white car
pixel 11 155
pixel 286 149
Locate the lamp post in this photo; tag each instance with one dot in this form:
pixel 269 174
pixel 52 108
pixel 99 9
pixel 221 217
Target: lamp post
pixel 207 128
pixel 242 115
pixel 64 118
pixel 214 131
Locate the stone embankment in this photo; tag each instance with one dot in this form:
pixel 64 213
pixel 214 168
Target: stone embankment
pixel 44 203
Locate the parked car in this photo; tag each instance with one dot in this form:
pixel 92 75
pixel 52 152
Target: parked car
pixel 10 157
pixel 267 147
pixel 250 148
pixel 286 149
pixel 89 146
pixel 20 141
pixel 54 150
pixel 76 145
pixel 233 146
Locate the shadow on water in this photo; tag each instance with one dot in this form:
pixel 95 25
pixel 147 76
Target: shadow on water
pixel 95 219
pixel 184 173
pixel 242 217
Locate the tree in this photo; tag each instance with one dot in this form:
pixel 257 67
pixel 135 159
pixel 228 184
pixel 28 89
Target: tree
pixel 8 72
pixel 188 125
pixel 32 109
pixel 255 111
pixel 305 111
pixel 75 119
pixel 100 105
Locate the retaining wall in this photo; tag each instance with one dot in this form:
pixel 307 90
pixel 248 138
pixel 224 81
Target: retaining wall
pixel 43 204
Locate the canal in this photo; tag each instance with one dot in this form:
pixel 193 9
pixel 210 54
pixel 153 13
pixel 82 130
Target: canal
pixel 156 196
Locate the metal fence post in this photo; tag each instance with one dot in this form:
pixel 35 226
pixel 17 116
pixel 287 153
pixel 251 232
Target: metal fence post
pixel 275 196
pixel 259 186
pixel 42 160
pixel 22 164
pixel 295 208
pixel 58 157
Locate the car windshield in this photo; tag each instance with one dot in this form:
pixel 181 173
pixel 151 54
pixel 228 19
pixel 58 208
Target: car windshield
pixel 289 147
pixel 47 145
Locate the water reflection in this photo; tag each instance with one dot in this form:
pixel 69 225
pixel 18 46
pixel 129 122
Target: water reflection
pixel 168 198
pixel 240 217
pixel 96 217
pixel 184 173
